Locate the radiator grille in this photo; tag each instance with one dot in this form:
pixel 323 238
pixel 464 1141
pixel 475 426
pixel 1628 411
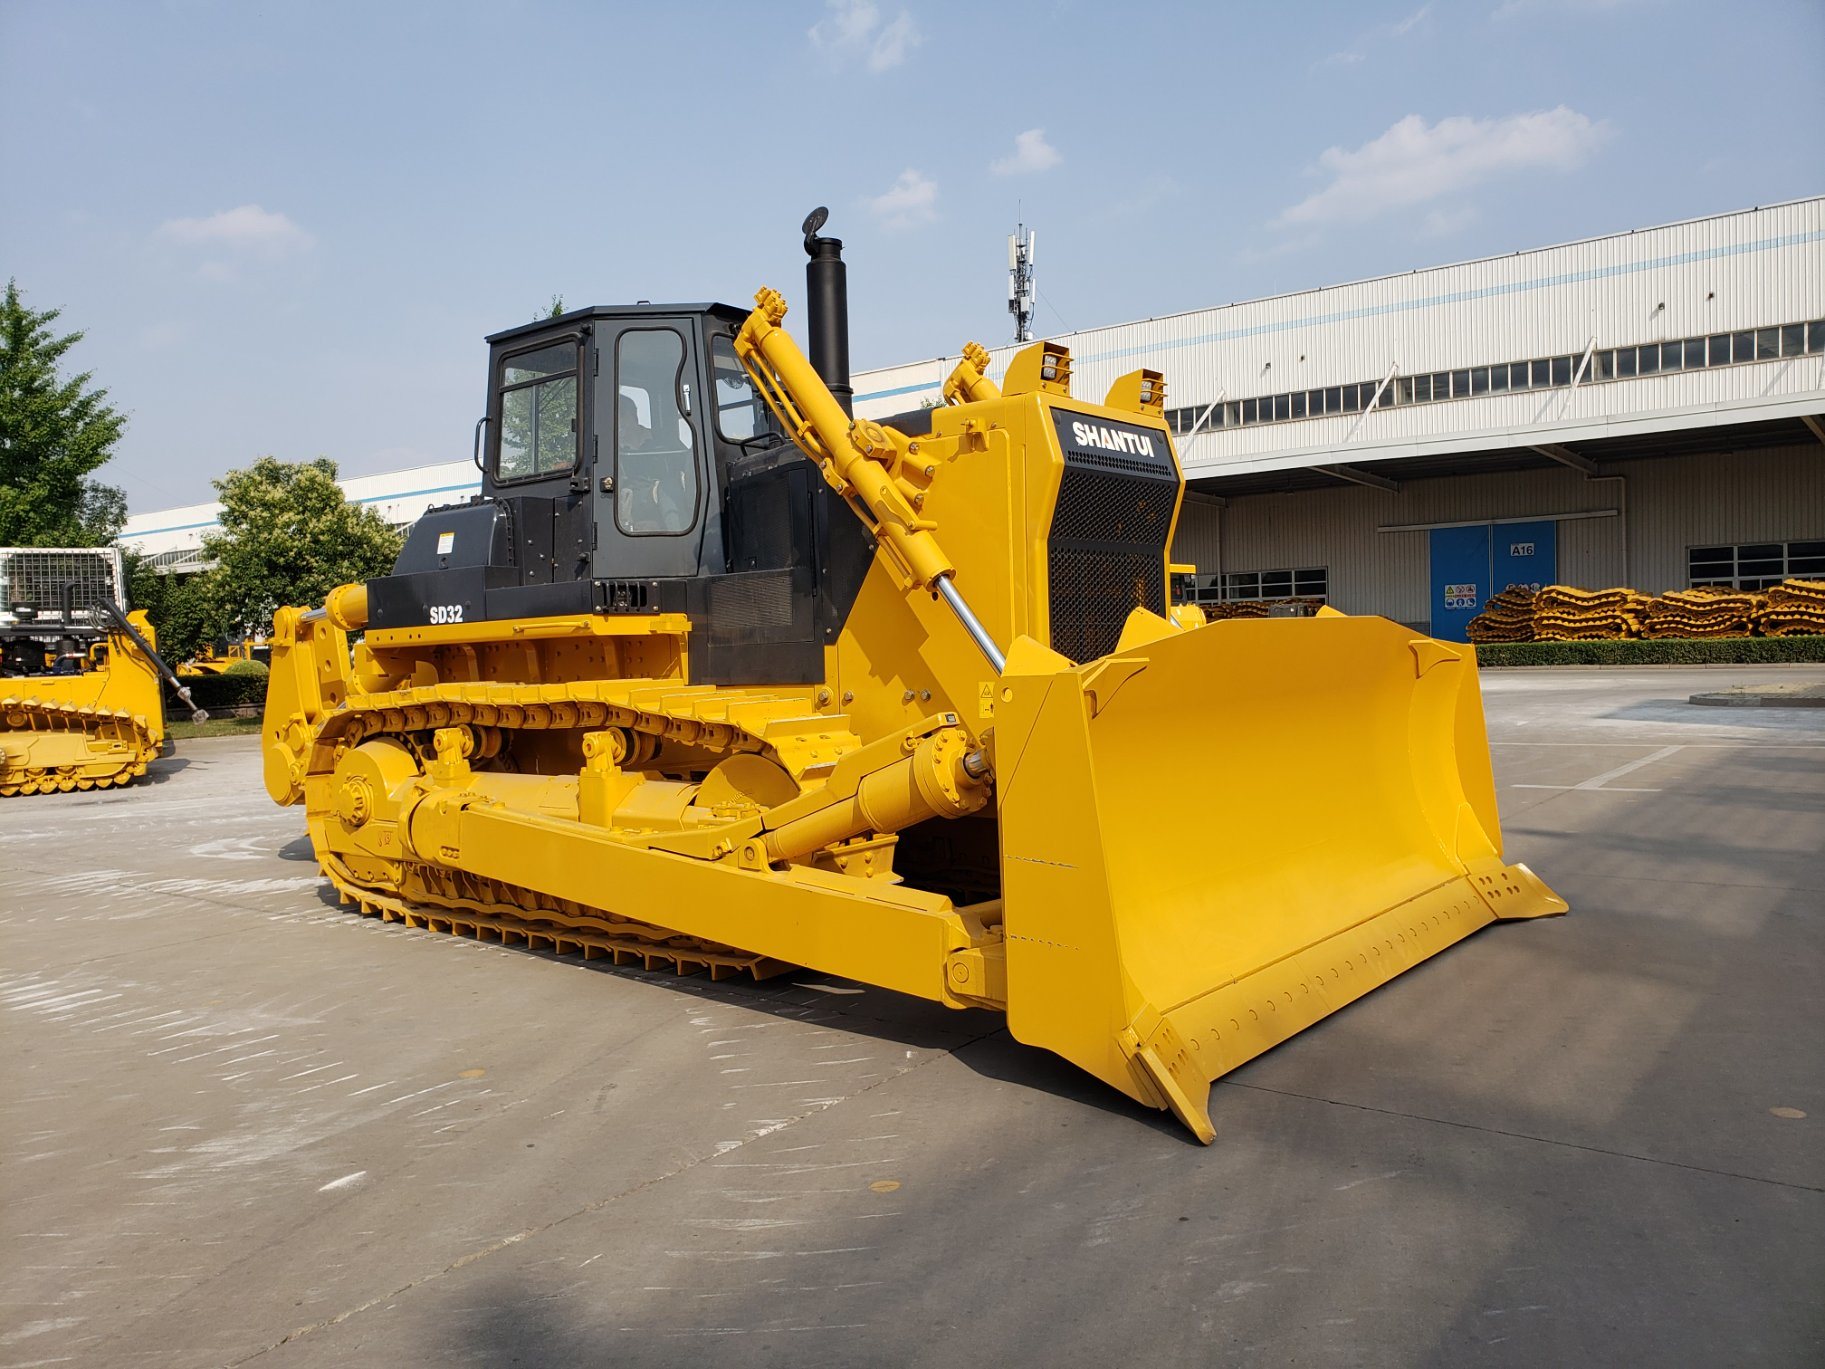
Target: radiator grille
pixel 755 607
pixel 1107 554
pixel 36 579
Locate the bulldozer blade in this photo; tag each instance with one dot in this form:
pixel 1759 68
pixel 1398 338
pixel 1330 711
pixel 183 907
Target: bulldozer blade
pixel 1210 839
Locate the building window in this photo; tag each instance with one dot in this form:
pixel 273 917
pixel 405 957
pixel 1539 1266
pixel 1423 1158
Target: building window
pixel 1540 373
pixel 1755 565
pixel 1311 582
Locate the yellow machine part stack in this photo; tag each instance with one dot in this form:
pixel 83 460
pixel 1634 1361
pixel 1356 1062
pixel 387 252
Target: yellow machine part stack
pixel 1158 863
pixel 91 730
pixel 211 661
pixel 1563 613
pixel 1796 608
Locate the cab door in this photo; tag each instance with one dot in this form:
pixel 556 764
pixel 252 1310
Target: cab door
pixel 657 506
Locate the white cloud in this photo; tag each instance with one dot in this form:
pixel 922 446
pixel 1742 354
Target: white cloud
pixel 911 199
pixel 1443 223
pixel 248 228
pixel 1414 161
pixel 1405 25
pixel 853 30
pixel 1514 9
pixel 1341 59
pixel 894 43
pixel 1285 246
pixel 1031 153
pixel 848 27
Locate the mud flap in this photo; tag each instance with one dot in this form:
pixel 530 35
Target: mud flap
pixel 1210 839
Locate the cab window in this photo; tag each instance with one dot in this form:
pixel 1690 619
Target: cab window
pixel 538 413
pixel 656 484
pixel 740 414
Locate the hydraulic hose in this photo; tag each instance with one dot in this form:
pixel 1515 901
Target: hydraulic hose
pixel 132 634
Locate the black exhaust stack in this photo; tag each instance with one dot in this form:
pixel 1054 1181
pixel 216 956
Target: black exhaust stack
pixel 827 305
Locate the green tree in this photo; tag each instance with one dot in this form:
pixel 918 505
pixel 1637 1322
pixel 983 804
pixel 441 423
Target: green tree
pixel 53 434
pixel 183 609
pixel 289 537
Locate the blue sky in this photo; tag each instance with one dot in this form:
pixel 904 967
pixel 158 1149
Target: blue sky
pixel 286 228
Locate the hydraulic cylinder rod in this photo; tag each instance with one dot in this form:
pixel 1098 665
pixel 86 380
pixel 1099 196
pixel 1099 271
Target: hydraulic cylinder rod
pixel 856 456
pixel 947 590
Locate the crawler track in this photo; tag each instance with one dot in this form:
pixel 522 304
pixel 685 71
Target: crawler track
pixel 53 747
pixel 487 910
pixel 667 726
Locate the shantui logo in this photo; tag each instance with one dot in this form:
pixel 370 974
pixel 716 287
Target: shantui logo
pixel 1112 439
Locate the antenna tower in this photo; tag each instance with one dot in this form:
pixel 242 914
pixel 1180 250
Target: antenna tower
pixel 1020 282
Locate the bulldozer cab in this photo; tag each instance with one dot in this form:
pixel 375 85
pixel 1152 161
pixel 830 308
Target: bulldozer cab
pixel 609 414
pixel 629 467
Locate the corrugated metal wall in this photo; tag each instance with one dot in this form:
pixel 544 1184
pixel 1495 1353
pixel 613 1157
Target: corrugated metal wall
pixel 1671 503
pixel 1754 268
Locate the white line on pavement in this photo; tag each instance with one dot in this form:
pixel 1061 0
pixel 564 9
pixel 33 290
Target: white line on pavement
pixel 1597 781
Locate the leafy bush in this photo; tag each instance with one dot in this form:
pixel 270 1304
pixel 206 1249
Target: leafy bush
pixel 1661 651
pixel 257 668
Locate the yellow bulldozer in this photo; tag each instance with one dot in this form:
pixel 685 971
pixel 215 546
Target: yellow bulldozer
pixel 218 657
pixel 80 681
pixel 715 677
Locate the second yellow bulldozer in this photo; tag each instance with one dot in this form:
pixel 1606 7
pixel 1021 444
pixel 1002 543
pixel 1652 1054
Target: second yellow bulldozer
pixel 80 681
pixel 217 658
pixel 715 677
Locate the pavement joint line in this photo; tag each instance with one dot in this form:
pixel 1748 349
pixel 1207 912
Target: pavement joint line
pixel 1588 788
pixel 1747 744
pixel 1528 1136
pixel 1561 875
pixel 1596 782
pixel 494 1247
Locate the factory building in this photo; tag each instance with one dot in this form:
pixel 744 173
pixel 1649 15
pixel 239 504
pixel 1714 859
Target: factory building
pixel 172 539
pixel 1644 409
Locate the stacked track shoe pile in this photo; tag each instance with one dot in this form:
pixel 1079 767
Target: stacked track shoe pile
pixel 1263 608
pixel 1565 614
pixel 1236 608
pixel 1794 608
pixel 1703 613
pixel 1508 617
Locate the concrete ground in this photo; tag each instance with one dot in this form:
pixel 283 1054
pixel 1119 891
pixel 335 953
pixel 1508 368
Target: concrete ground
pixel 241 1125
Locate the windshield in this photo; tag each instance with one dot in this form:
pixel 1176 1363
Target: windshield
pixel 740 412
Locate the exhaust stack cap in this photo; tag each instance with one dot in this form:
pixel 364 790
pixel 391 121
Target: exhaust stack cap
pixel 815 220
pixel 827 308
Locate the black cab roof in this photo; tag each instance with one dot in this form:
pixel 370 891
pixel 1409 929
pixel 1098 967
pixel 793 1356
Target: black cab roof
pixel 726 312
